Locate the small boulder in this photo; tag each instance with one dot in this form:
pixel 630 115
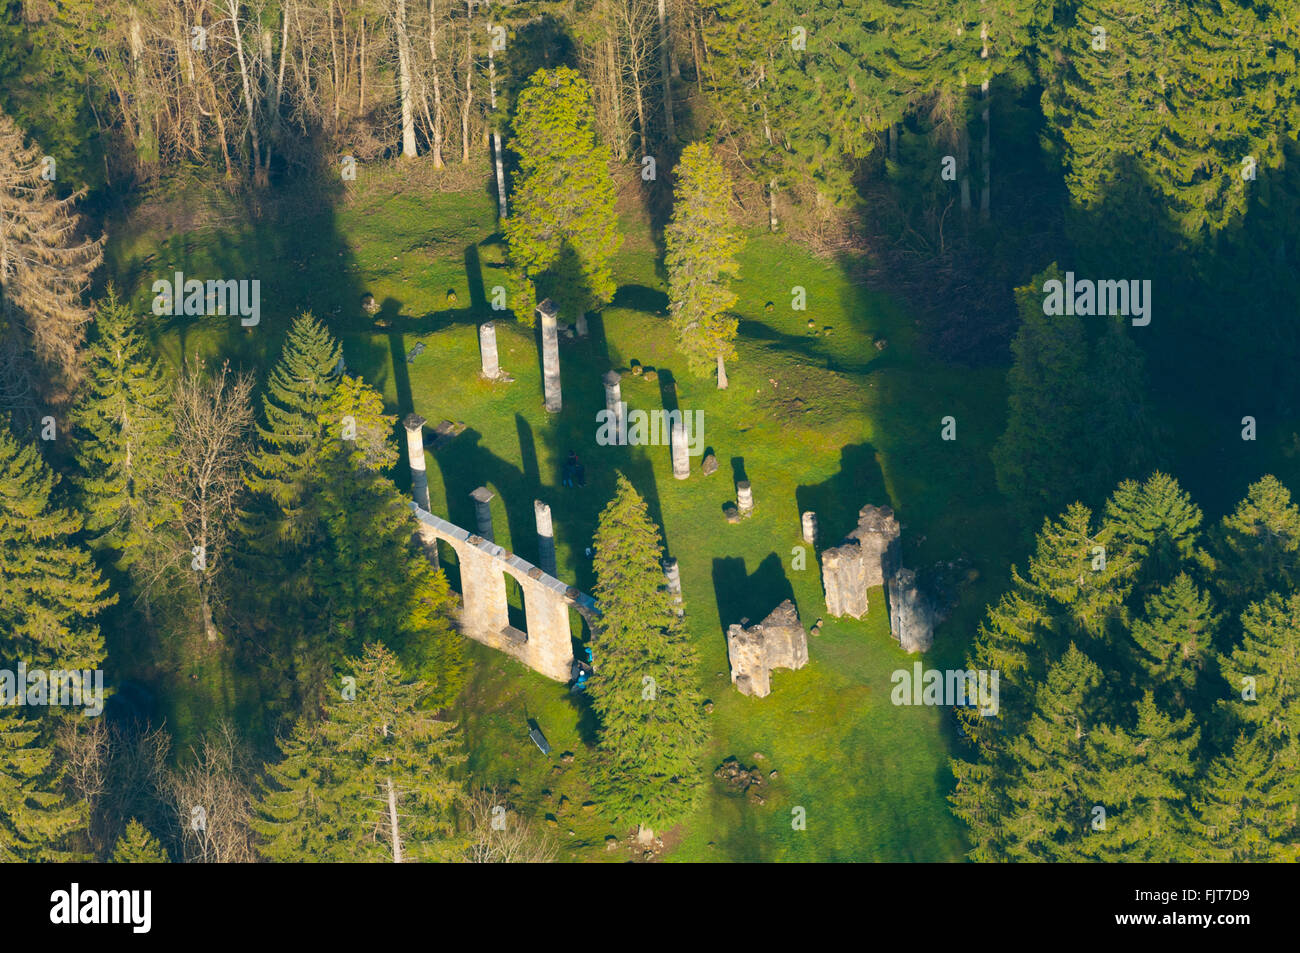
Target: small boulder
pixel 709 465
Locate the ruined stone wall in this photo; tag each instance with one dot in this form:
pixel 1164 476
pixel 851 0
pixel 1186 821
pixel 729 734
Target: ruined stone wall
pixel 779 641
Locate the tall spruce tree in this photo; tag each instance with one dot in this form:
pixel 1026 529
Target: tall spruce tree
pixel 124 431
pixel 371 781
pixel 36 819
pixel 701 246
pixel 644 691
pixel 50 589
pixel 1258 544
pixel 138 846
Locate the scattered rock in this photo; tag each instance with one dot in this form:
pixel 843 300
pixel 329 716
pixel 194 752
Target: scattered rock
pixel 588 807
pixel 611 842
pixel 881 343
pixel 368 304
pixel 769 306
pixel 551 821
pixel 708 708
pixel 772 774
pixel 651 376
pixel 709 464
pixel 566 758
pixel 451 296
pixel 732 513
pixel 637 369
pixel 758 756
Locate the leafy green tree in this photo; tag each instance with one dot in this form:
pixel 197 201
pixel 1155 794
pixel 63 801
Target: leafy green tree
pixel 702 243
pixel 124 421
pixel 370 781
pixel 50 589
pixel 563 192
pixel 138 846
pixel 1159 524
pixel 644 690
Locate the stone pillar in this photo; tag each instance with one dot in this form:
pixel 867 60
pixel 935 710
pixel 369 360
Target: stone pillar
pixel 487 344
pixel 844 578
pixel 547 312
pixel 681 452
pixel 673 576
pixel 545 538
pixel 910 619
pixel 810 528
pixel 414 425
pixel 482 498
pixel 580 324
pixel 614 402
pixel 744 498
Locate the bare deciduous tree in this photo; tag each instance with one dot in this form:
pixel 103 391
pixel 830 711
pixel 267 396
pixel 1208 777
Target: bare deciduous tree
pixel 212 801
pixel 503 836
pixel 213 417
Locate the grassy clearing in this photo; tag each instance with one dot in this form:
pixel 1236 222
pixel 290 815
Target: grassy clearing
pixel 816 418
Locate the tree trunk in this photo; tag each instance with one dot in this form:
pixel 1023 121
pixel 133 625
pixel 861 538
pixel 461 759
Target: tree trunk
pixel 645 836
pixel 258 174
pixel 984 152
pixel 666 68
pixel 722 373
pixel 392 822
pixel 497 159
pixel 404 81
pixel 771 204
pixel 469 82
pixel 437 86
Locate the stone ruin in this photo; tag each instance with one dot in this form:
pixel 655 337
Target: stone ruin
pixel 869 557
pixel 866 558
pixel 779 641
pixel 547 645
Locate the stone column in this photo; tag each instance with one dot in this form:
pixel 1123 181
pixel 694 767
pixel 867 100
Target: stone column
pixel 681 452
pixel 487 344
pixel 614 401
pixel 545 538
pixel 414 425
pixel 810 528
pixel 550 356
pixel 580 325
pixel 744 498
pixel 673 576
pixel 482 498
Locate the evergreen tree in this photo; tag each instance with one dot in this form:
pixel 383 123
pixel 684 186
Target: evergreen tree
pixel 1076 569
pixel 138 846
pixel 1259 542
pixel 373 582
pixel 45 268
pixel 1141 781
pixel 1048 799
pixel 702 244
pixel 1037 456
pixel 1243 810
pixel 123 414
pixel 644 690
pixel 1174 636
pixel 371 781
pixel 35 819
pixel 563 193
pixel 50 590
pixel 283 467
pixel 1158 522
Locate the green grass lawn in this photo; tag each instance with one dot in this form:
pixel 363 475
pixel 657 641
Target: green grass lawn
pixel 816 418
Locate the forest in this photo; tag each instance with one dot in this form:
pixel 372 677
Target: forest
pixel 1023 271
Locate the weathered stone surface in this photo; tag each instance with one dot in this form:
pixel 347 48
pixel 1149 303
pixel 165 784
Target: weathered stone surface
pixel 482 498
pixel 744 498
pixel 673 578
pixel 865 559
pixel 779 641
pixel 545 537
pixel 547 312
pixel 547 646
pixel 614 402
pixel 911 621
pixel 487 344
pixel 414 425
pixel 709 465
pixel 681 451
pixel 809 521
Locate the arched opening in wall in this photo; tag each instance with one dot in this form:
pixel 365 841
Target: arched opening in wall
pixel 449 562
pixel 515 605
